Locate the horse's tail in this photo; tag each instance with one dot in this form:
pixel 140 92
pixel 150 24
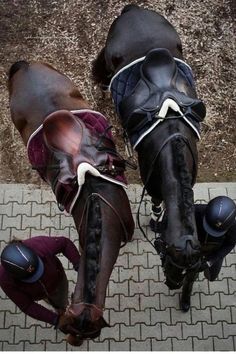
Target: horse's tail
pixel 21 64
pixel 92 246
pixel 100 74
pixel 129 7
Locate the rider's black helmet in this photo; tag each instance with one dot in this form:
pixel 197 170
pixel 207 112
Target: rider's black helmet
pixel 219 216
pixel 22 262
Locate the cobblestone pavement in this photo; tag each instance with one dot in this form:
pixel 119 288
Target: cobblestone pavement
pixel 144 315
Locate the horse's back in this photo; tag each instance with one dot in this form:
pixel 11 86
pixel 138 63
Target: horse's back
pixel 137 31
pixel 36 90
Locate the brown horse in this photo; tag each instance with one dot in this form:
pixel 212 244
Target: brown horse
pixel 72 148
pixel 155 98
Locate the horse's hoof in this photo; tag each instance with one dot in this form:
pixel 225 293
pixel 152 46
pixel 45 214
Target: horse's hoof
pixel 185 304
pixel 74 340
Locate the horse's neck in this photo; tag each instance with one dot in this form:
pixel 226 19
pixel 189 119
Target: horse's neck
pixel 177 191
pixel 101 236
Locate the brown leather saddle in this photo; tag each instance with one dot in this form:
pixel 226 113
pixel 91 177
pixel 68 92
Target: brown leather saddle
pixel 70 143
pixel 160 79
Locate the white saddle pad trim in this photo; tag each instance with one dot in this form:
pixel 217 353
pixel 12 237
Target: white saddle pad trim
pixel 168 103
pixel 82 169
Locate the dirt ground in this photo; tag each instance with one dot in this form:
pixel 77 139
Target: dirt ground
pixel 69 33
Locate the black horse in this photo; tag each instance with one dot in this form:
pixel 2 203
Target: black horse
pixel 154 94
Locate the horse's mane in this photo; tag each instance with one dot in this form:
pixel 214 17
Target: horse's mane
pixel 94 228
pixel 186 197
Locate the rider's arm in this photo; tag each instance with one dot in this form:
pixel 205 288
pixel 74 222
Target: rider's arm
pixel 28 306
pixel 61 244
pixel 226 247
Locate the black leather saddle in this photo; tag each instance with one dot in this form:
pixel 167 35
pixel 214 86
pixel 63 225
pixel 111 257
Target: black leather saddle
pixel 160 79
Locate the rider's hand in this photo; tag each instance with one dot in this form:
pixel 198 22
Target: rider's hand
pixel 204 265
pixel 63 323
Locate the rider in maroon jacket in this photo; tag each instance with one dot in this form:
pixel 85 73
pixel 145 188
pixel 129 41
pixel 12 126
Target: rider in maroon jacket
pixel 30 272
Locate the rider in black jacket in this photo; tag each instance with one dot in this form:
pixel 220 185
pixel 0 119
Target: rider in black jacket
pixel 216 227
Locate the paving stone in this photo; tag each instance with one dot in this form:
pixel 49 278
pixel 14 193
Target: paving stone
pixel 120 317
pixel 224 344
pixel 2 320
pixel 113 331
pixel 130 332
pixel 32 195
pixel 120 346
pixel 171 331
pixel 228 329
pixel 12 193
pixel 158 316
pixel 203 345
pixel 200 315
pixel 161 345
pixel 227 300
pixel 38 208
pixel 25 209
pixel 194 330
pixel 13 319
pixel 6 209
pixel 113 302
pixel 32 221
pixel 126 273
pixel 182 345
pixel 140 345
pixel 45 334
pixel 151 331
pixel 98 347
pixel 143 317
pixel 179 316
pixel 139 288
pixel 208 300
pixel 212 329
pixel 22 334
pixel 221 315
pixel 49 346
pixel 13 347
pixel 149 302
pixel 169 301
pixel 15 221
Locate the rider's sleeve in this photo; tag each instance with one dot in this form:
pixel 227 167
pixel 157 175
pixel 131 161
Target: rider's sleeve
pixel 226 247
pixel 29 307
pixel 64 245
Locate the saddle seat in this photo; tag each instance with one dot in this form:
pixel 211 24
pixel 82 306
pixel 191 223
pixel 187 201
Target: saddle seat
pixel 74 150
pixel 160 81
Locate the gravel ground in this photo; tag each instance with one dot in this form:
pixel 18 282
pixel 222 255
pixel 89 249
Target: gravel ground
pixel 68 34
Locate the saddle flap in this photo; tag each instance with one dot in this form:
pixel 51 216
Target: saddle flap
pixel 63 132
